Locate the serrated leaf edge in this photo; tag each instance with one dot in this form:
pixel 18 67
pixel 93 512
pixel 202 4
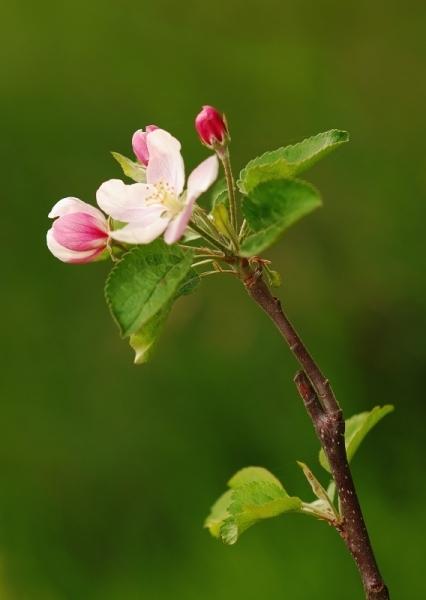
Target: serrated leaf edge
pixel 259 158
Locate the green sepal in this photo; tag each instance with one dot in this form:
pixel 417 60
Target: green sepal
pixel 290 161
pixel 272 207
pixel 131 169
pixel 356 428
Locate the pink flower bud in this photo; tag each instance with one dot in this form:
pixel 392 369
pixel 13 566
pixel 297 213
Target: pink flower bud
pixel 140 147
pixel 212 128
pixel 80 232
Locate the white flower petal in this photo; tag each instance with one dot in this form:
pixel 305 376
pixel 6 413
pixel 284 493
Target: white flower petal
pixel 123 202
pixel 68 256
pixel 165 160
pixel 70 205
pixel 140 233
pixel 202 177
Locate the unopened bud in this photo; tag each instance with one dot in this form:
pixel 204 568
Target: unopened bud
pixel 212 128
pixel 140 147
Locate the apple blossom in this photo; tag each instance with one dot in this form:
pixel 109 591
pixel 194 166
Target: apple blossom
pixel 79 233
pixel 161 205
pixel 139 144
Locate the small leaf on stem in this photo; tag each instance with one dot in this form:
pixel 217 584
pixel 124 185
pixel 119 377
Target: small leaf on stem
pixel 255 494
pixel 324 502
pixel 356 428
pixel 132 169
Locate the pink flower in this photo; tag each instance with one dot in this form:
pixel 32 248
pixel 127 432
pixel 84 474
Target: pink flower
pixel 140 147
pixel 211 127
pixel 80 232
pixel 160 205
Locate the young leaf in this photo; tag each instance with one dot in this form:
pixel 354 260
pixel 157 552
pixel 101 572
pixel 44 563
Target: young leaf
pixel 324 502
pixel 253 474
pixel 221 199
pixel 220 217
pixel 218 514
pixel 255 494
pixel 144 282
pixel 272 207
pixel 290 161
pixel 253 502
pixel 132 169
pixel 356 428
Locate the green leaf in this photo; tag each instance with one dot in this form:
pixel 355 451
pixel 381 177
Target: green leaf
pixel 272 207
pixel 273 277
pixel 290 161
pixel 143 340
pixel 253 502
pixel 253 474
pixel 356 428
pixel 132 169
pixel 219 513
pixel 144 282
pixel 255 494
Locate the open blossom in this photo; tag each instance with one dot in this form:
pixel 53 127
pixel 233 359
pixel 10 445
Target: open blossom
pixel 139 144
pixel 79 233
pixel 160 205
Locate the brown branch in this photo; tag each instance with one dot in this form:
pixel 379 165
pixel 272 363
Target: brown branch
pixel 329 424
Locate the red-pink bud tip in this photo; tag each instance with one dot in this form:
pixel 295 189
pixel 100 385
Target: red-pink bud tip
pixel 212 128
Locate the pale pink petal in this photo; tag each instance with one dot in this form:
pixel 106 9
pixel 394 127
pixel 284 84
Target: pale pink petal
pixel 140 233
pixel 121 201
pixel 70 205
pixel 178 225
pixel 140 148
pixel 165 160
pixel 80 231
pixel 70 256
pixel 202 177
pixel 199 181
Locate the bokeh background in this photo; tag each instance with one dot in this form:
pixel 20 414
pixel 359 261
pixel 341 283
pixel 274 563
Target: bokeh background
pixel 107 470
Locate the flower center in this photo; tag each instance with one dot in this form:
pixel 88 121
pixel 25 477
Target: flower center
pixel 165 194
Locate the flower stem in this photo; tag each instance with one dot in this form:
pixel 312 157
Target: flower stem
pixel 327 419
pixel 209 237
pixel 226 161
pixel 206 273
pixel 202 262
pixel 243 230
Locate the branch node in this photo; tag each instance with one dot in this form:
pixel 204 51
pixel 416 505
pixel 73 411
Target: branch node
pixel 309 397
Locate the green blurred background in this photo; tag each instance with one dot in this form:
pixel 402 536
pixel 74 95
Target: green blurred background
pixel 107 470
